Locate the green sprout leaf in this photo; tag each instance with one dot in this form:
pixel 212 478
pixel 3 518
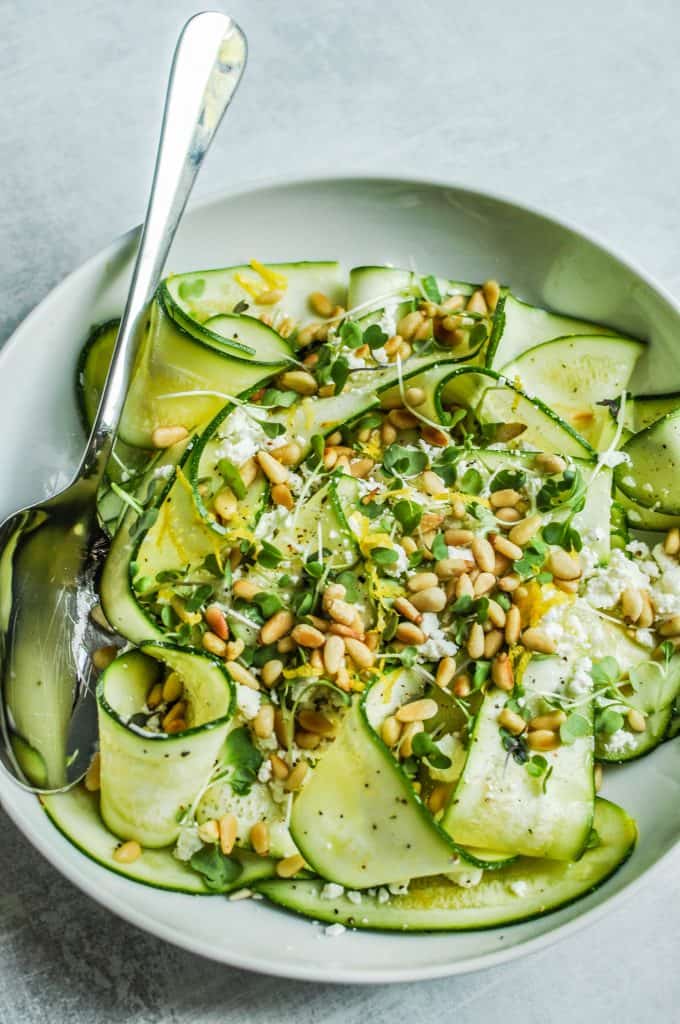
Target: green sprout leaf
pixel 218 871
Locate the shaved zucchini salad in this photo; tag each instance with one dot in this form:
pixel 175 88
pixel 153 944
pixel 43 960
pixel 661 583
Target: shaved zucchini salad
pixel 393 578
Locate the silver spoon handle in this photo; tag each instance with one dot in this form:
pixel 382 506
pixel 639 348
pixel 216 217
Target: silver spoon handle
pixel 207 66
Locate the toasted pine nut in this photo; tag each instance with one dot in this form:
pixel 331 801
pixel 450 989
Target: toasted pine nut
pixel 92 780
pixel 388 434
pixel 333 592
pixel 504 546
pixel 214 645
pixel 321 305
pixel 314 721
pixel 173 688
pixel 415 396
pixel 127 853
pixel 465 586
pixel 209 831
pixel 275 472
pixel 249 471
pixel 417 710
pixel 271 671
pixel 103 656
pixel 597 777
pixel 277 626
pixel 300 381
pixel 99 619
pixel 333 653
pixel 433 599
pixel 407 609
pixel 507 496
pixel 165 437
pixel 245 590
pixel 340 629
pixel 263 723
pixel 448 567
pixel 406 746
pixel 270 297
pixel 446 670
pixel 434 436
pixel 636 720
pixel 458 509
pixel 509 583
pixel 671 544
pixel 409 324
pixel 433 484
pixel 402 419
pixel 497 614
pixel 511 721
pixel 422 581
pixel 215 618
pixel 475 641
pixel 549 463
pixel 390 731
pixel 483 554
pixel 259 838
pixel 360 468
pixel 670 627
pixel 512 625
pixel 241 675
pixel 307 740
pixel 493 641
pixel 543 739
pixel 485 582
pixel 225 504
pixel 566 586
pixel 409 633
pixel 492 293
pixel 632 604
pixel 535 639
pixel 522 532
pixel 459 538
pixel 477 303
pixel 563 566
pixel 308 636
pixel 280 769
pixel 290 866
pixel 461 685
pixel 297 777
pixel 501 672
pixel 409 545
pixel 154 696
pixel 647 616
pixel 235 649
pixel 508 516
pixel 439 797
pixel 288 454
pixel 551 720
pixel 281 495
pixel 362 656
pixel 341 611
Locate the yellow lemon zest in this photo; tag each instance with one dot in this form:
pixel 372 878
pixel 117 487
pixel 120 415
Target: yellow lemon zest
pixel 274 278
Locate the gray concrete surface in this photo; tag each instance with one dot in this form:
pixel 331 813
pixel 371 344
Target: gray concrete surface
pixel 571 107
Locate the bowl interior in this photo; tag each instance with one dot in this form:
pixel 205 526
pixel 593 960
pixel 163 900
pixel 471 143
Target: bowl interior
pixel 432 227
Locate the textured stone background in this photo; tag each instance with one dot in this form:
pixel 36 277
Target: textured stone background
pixel 568 106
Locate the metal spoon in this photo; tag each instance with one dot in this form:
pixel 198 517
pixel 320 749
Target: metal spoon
pixel 48 551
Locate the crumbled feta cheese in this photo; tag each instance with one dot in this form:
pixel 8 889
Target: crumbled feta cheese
pixel 612 458
pixel 457 552
pixel 354 361
pixel 264 772
pixel 388 320
pixel 519 888
pixel 242 437
pixel 666 592
pixel 466 875
pixel 437 644
pixel 620 741
pixel 335 929
pixel 331 891
pixel 248 701
pixel 380 355
pixel 271 522
pixel 353 896
pixel 399 567
pixel 604 588
pixel 163 472
pixel 383 895
pixel 188 843
pixel 581 681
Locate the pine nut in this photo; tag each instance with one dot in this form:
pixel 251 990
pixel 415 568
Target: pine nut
pixel 275 472
pixel 307 740
pixel 409 324
pixel 432 484
pixel 300 381
pixel 458 509
pixel 333 592
pixel 475 641
pixel 277 627
pixel 362 656
pixel 477 303
pixel 566 586
pixel 403 606
pixel 493 642
pixel 127 853
pixel 406 746
pixel 446 670
pixel 501 672
pixel 501 564
pixel 509 583
pixel 281 495
pixel 316 661
pixel 549 463
pixel 671 544
pixel 563 566
pixel 173 688
pixel 552 720
pixel 448 567
pixel 409 633
pixel 209 831
pixel 339 629
pixel 508 516
pixel 671 626
pixel 434 436
pixel 537 640
pixel 390 731
pixel 631 604
pixel 422 581
pixel 270 297
pixel 402 419
pixel 597 777
pixel 245 590
pixel 333 654
pixel 225 504
pixel 485 582
pixel 296 777
pixel 506 547
pixel 263 723
pixel 214 645
pixel 215 619
pixel 99 619
pixel 464 586
pixel 438 798
pixel 271 671
pixel 288 454
pixel 290 866
pixel 636 720
pixel 308 636
pixel 647 616
pixel 508 496
pixel 341 611
pixel 249 471
pixel 409 545
pixel 459 538
pixel 92 780
pixel 483 554
pixel 154 696
pixel 388 434
pixel 259 838
pixel 497 614
pixel 415 396
pixel 433 599
pixel 522 533
pixel 492 293
pixel 321 305
pixel 512 625
pixel 417 710
pixel 511 721
pixel 314 721
pixel 360 468
pixel 103 656
pixel 462 686
pixel 165 437
pixel 242 676
pixel 543 739
pixel 279 767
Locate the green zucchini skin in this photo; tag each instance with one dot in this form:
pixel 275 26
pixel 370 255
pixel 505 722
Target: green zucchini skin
pixel 650 476
pixel 149 779
pixel 433 905
pixel 76 815
pixel 642 743
pixel 647 409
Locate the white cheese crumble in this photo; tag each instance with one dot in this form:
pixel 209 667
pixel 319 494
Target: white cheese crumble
pixel 581 681
pixel 163 472
pixel 620 741
pixel 399 567
pixel 248 701
pixel 331 891
pixel 437 644
pixel 335 929
pixel 519 888
pixel 242 437
pixel 188 843
pixel 353 896
pixel 264 772
pixel 604 588
pixel 612 458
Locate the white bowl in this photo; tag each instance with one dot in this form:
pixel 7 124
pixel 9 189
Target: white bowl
pixel 434 227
